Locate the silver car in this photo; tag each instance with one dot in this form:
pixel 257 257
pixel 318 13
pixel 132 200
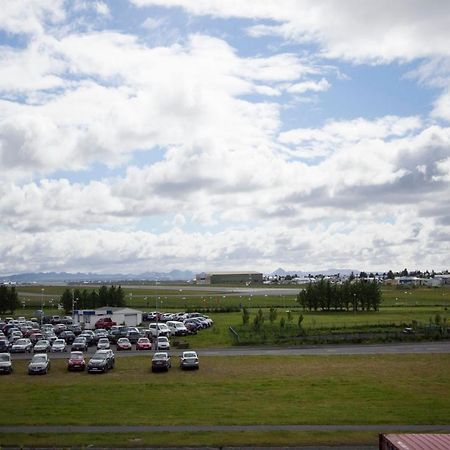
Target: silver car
pixel 40 364
pixel 59 345
pixel 22 345
pixel 189 360
pixel 5 363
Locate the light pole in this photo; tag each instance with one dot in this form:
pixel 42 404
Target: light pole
pixel 42 305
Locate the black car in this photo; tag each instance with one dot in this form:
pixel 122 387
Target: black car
pixel 161 361
pixel 75 329
pixel 80 344
pixel 68 336
pixel 4 345
pixel 101 361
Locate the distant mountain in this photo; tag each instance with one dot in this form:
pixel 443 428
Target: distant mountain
pixel 301 273
pixel 37 277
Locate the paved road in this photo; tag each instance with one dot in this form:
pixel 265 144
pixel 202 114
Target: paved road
pixel 355 349
pixel 219 428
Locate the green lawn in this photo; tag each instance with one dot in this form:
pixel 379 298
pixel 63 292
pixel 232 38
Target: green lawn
pixel 183 439
pixel 388 389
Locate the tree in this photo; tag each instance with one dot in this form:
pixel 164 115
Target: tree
pixel 3 299
pixel 103 296
pixel 390 275
pixel 12 299
pixel 404 273
pixel 67 301
pixel 362 275
pixel 273 315
pixel 290 317
pixel 245 316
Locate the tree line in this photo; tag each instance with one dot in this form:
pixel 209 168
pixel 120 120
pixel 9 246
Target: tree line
pixel 84 299
pixel 348 296
pixel 9 300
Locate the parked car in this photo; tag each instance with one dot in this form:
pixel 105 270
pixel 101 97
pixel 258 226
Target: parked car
pixel 133 335
pixel 55 319
pixel 101 361
pixel 75 329
pixel 89 335
pixel 4 345
pixel 105 322
pixel 103 343
pixel 40 364
pixel 189 360
pixel 79 344
pixel 51 337
pixel 143 344
pixel 36 336
pixel 159 329
pixel 162 343
pixel 76 361
pixel 23 345
pixel 123 344
pixel 177 328
pixel 59 328
pixel 5 363
pixel 59 345
pixel 161 361
pixel 42 346
pixel 68 336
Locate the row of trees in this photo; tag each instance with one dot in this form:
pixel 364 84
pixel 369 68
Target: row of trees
pixel 347 296
pixel 112 296
pixel 9 300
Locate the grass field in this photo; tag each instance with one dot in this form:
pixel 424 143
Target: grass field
pixel 182 439
pixel 388 389
pixel 153 297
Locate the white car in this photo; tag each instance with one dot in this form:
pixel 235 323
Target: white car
pixel 177 328
pixel 59 345
pixel 103 344
pixel 162 343
pixel 159 329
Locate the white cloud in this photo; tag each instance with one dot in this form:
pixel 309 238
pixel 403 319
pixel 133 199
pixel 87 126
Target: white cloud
pixel 358 31
pixel 314 86
pixel 30 16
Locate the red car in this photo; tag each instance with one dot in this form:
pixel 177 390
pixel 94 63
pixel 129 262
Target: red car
pixel 123 344
pixel 143 344
pixel 76 361
pixel 105 322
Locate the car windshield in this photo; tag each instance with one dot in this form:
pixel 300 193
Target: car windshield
pixel 159 356
pixel 38 358
pixel 123 341
pixel 42 343
pixel 103 340
pixel 59 342
pixel 98 358
pixel 4 358
pixel 189 355
pixel 21 341
pixel 162 339
pixel 76 356
pixel 143 341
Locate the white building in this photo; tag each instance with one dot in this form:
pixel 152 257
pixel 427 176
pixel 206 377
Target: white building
pixel 122 316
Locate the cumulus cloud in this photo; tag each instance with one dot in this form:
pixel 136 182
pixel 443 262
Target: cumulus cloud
pixel 369 31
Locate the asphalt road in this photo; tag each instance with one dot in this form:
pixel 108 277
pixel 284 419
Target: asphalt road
pixel 354 349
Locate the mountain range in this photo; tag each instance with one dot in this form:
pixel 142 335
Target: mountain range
pixel 173 275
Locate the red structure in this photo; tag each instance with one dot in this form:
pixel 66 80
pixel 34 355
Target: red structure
pixel 414 442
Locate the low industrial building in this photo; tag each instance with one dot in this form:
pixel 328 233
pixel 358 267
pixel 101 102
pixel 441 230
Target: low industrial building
pixel 122 316
pixel 229 278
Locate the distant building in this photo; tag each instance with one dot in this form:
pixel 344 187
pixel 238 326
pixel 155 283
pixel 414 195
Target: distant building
pixel 229 277
pixel 122 316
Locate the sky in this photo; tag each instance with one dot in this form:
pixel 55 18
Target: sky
pixel 151 135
